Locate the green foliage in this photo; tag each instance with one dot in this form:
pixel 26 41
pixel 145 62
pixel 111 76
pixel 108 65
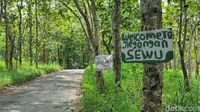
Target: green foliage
pixel 24 74
pixel 129 97
pixel 126 99
pixel 174 93
pixel 60 35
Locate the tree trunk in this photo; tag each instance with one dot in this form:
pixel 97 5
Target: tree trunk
pixel 20 32
pixel 93 37
pixel 44 41
pixel 59 47
pixel 36 34
pixel 190 50
pixel 170 65
pixel 1 10
pixel 196 58
pixel 153 72
pixel 181 46
pixel 117 45
pixel 44 53
pixel 12 45
pixel 197 65
pixel 174 60
pixel 99 74
pixel 30 32
pixel 182 58
pixel 93 41
pixel 105 44
pixel 189 58
pixel 6 37
pixel 166 66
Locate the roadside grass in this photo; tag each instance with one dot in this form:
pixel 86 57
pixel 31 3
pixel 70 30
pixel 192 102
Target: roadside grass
pixel 25 73
pixel 129 97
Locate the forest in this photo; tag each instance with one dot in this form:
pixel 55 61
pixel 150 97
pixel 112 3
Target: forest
pixel 38 37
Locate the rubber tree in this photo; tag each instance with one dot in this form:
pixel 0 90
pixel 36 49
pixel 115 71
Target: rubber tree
pixel 36 33
pixel 192 36
pixel 1 10
pixel 153 72
pixel 117 43
pixel 6 34
pixel 91 30
pixel 196 57
pixel 20 40
pixel 10 35
pixel 182 42
pixel 30 31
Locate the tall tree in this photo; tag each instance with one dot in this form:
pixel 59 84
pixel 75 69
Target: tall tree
pixel 92 35
pixel 30 32
pixel 12 37
pixel 9 38
pixel 196 58
pixel 153 72
pixel 6 35
pixel 36 34
pixel 117 45
pixel 45 28
pixel 192 35
pixel 99 74
pixel 182 42
pixel 1 9
pixel 20 30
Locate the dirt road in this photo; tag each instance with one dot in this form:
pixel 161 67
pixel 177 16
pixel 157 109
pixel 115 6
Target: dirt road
pixel 56 92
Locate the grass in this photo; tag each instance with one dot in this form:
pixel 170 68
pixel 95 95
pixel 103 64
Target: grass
pixel 128 97
pixel 24 74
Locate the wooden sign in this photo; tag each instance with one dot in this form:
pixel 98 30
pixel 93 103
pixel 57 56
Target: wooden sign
pixel 103 62
pixel 147 46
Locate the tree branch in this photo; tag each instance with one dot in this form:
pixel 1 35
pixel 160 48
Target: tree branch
pixel 192 33
pixel 90 35
pixel 105 44
pixel 95 21
pixel 80 9
pixel 90 14
pixel 76 15
pixel 1 9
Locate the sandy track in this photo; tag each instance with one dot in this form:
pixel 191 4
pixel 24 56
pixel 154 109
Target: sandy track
pixel 56 92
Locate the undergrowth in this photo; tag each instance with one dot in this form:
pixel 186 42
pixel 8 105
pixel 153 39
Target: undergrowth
pixel 129 97
pixel 25 73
